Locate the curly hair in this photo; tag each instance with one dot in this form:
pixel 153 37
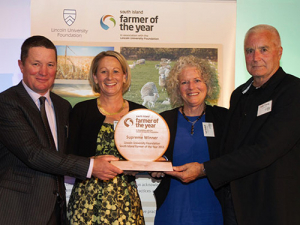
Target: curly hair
pixel 207 72
pixel 124 65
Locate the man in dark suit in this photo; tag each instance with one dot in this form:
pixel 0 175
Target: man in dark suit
pixel 261 148
pixel 31 168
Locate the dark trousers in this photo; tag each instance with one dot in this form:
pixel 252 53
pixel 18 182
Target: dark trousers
pixel 229 213
pixel 58 216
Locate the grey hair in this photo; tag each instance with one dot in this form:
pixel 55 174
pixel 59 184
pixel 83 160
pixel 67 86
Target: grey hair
pixel 265 27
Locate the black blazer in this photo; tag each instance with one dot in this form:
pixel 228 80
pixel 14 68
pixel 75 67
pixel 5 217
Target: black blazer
pixel 85 123
pixel 214 114
pixel 28 167
pixel 264 167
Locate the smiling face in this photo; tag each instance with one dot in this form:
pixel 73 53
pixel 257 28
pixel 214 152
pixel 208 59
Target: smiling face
pixel 262 53
pixel 192 88
pixel 39 69
pixel 110 76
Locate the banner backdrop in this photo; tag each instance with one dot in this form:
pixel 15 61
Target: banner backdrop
pixel 151 35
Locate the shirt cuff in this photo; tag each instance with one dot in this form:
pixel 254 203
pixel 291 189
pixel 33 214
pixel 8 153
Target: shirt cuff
pixel 89 174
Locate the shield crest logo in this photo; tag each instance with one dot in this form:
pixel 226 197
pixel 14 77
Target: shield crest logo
pixel 69 16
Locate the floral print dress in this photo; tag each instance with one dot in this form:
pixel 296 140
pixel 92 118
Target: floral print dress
pixel 114 202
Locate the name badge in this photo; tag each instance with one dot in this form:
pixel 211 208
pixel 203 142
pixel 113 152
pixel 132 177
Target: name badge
pixel 208 129
pixel 264 108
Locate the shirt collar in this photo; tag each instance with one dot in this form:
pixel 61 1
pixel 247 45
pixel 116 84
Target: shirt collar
pixel 247 87
pixel 35 96
pixel 250 82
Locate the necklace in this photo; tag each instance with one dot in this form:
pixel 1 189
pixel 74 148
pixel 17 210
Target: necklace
pixel 107 113
pixel 193 123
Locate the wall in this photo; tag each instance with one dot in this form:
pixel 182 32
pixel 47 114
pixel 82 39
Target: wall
pixel 15 28
pixel 282 14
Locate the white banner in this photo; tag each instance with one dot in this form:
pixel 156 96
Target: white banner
pixel 150 34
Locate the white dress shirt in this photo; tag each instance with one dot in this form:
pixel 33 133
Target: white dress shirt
pixel 51 117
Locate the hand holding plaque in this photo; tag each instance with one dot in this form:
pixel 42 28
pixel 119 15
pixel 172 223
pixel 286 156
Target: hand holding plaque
pixel 142 136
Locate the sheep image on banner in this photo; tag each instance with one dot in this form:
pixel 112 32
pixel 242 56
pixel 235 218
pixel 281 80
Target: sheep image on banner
pixel 149 94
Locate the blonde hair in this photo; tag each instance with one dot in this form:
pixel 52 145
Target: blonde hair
pixel 124 65
pixel 206 71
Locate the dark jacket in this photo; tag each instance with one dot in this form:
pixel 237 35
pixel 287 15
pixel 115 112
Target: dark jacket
pixel 263 167
pixel 28 166
pixel 85 123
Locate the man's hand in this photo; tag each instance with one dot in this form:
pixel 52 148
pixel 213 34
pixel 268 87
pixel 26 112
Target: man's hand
pixel 188 172
pixel 103 169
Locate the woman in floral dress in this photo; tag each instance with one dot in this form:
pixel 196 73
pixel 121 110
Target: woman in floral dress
pixel 107 201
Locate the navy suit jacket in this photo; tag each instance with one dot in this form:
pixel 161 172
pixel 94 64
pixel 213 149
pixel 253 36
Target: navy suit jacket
pixel 28 166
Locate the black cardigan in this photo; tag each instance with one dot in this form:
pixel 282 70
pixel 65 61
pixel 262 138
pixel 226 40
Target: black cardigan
pixel 214 114
pixel 85 123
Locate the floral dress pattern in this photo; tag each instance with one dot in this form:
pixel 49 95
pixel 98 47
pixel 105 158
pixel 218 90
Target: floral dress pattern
pixel 115 202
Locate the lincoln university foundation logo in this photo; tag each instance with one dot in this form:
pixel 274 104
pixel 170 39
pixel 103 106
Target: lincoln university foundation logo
pixel 107 21
pixel 69 16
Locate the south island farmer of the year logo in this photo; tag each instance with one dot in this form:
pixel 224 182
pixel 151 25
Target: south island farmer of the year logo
pixel 107 21
pixel 128 122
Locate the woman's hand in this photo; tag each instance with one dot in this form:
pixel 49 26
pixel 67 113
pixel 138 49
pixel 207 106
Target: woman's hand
pixel 158 174
pixel 131 173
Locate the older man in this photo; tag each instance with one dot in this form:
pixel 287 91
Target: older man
pixel 33 133
pixel 261 148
